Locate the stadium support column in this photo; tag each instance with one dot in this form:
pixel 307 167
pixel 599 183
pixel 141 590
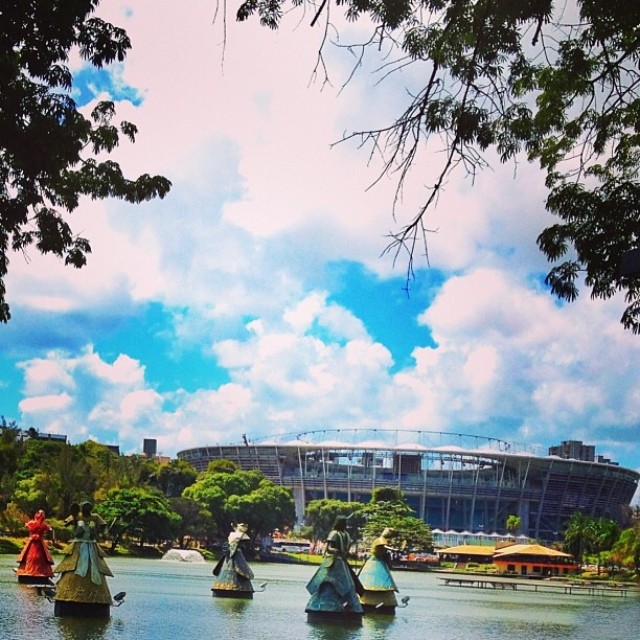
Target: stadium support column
pixel 447 516
pixel 423 496
pixel 524 505
pixel 472 511
pixel 543 498
pixel 299 493
pixel 300 502
pixel 498 497
pixel 324 474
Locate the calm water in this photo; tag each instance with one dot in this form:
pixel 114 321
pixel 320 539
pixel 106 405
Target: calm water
pixel 172 601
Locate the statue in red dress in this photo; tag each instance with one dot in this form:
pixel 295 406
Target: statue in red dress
pixel 35 561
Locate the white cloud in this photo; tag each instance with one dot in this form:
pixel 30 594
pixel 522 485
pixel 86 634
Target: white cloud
pixel 39 405
pixel 46 373
pixel 240 250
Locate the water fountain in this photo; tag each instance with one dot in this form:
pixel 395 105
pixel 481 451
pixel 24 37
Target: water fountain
pixel 183 555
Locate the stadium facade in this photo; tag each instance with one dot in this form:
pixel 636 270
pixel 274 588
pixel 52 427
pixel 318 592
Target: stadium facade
pixel 471 484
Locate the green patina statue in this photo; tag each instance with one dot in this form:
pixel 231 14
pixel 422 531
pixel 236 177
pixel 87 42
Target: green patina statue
pixel 233 573
pixel 334 588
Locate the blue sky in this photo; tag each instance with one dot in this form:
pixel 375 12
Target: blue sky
pixel 256 298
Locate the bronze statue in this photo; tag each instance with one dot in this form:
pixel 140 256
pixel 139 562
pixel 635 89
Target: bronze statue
pixel 82 587
pixel 233 573
pixel 379 586
pixel 334 588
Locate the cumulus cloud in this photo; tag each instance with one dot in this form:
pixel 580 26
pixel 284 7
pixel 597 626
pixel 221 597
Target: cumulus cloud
pixel 241 259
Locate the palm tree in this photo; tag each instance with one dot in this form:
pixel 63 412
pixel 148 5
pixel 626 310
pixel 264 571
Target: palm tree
pixel 627 548
pixel 578 536
pixel 629 543
pixel 604 535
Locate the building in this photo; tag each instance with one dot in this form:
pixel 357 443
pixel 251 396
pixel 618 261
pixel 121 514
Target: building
pixel 574 449
pixel 150 448
pixel 513 559
pixel 453 481
pixel 33 434
pixel 533 560
pixel 465 554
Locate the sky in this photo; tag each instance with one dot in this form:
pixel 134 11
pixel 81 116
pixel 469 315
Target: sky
pixel 257 298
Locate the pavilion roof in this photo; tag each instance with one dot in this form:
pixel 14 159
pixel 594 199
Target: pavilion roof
pixel 470 550
pixel 529 550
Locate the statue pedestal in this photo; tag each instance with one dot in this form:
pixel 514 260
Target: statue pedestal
pixel 81 609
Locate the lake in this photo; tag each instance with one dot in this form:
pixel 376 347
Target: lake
pixel 172 601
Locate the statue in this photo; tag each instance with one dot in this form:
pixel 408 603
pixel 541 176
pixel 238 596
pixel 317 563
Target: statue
pixel 233 574
pixel 82 587
pixel 334 587
pixel 379 586
pixel 35 562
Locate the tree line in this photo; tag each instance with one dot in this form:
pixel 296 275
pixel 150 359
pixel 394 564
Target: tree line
pixel 146 502
pixel 142 500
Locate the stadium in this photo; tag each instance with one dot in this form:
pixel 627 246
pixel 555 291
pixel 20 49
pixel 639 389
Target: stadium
pixel 454 482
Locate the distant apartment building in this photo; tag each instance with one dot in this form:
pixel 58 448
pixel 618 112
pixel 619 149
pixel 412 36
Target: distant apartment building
pixel 33 434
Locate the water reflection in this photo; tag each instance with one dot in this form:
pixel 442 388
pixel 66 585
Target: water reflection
pixel 76 628
pixel 373 626
pixel 27 607
pixel 332 631
pixel 380 625
pixel 234 607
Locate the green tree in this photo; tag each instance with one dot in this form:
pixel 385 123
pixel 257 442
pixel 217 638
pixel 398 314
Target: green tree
pixel 12 520
pixel 38 455
pixel 35 492
pixel 555 82
pixel 222 466
pixel 387 508
pixel 386 494
pixel 140 513
pixel 73 480
pixel 208 494
pixel 49 150
pixel 136 471
pixel 11 448
pixel 195 521
pixel 513 523
pixel 320 516
pixel 63 476
pixel 604 535
pixel 264 509
pixel 175 477
pixel 577 536
pixel 105 467
pixel 586 535
pixel 234 495
pixel 627 548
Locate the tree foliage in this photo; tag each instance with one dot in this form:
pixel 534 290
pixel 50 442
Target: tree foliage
pixel 50 153
pixel 320 516
pixel 11 448
pixel 232 495
pixel 513 523
pixel 195 522
pixel 175 477
pixel 135 494
pixel 264 509
pixel 627 548
pixel 555 82
pixel 139 513
pixel 586 535
pixel 387 508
